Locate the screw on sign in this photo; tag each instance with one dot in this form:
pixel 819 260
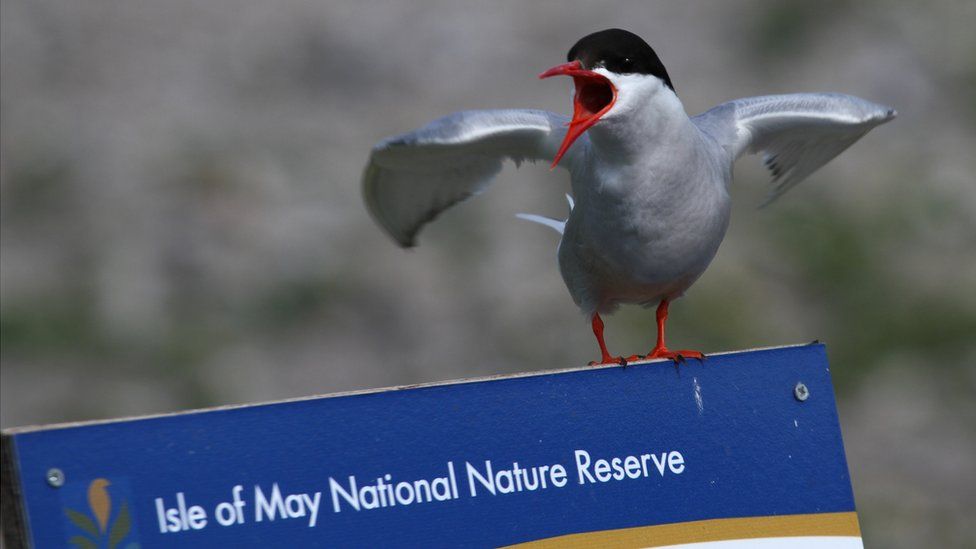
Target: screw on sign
pixel 55 477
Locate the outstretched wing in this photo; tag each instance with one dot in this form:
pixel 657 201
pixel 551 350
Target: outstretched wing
pixel 413 177
pixel 796 133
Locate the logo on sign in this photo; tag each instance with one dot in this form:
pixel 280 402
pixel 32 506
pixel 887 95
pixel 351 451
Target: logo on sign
pixel 98 516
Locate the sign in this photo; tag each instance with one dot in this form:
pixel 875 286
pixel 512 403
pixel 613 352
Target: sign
pixel 741 446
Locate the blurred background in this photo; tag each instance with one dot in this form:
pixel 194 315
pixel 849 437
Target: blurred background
pixel 182 223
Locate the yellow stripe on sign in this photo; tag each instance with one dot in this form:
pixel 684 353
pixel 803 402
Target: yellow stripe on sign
pixel 819 524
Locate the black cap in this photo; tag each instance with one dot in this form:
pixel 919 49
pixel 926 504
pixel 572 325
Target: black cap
pixel 618 51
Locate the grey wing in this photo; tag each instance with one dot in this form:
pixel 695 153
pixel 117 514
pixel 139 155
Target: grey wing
pixel 795 133
pixel 413 177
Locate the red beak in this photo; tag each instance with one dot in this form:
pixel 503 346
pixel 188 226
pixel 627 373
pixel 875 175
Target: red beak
pixel 595 95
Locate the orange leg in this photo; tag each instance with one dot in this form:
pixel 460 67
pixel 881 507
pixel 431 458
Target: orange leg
pixel 660 350
pixel 597 324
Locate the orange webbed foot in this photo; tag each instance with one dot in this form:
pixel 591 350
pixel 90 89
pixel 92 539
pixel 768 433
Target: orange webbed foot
pixel 677 356
pixel 607 359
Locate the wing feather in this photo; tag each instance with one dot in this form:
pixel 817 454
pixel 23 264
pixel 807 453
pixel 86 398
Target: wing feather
pixel 413 177
pixel 796 134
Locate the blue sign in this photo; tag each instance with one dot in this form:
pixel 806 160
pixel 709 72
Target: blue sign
pixel 741 446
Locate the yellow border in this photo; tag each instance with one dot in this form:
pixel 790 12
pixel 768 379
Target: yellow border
pixel 819 524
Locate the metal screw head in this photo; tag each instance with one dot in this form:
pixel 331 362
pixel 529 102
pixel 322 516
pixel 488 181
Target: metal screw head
pixel 55 477
pixel 800 392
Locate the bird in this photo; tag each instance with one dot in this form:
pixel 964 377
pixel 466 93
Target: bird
pixel 100 501
pixel 650 182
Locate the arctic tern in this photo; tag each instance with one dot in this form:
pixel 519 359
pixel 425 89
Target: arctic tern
pixel 651 184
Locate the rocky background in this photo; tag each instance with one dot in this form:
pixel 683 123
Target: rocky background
pixel 182 223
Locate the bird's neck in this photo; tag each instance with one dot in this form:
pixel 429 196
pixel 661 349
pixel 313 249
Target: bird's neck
pixel 656 121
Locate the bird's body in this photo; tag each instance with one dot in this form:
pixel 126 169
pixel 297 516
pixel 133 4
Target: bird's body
pixel 653 206
pixel 651 184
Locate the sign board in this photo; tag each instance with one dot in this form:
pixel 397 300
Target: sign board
pixel 739 448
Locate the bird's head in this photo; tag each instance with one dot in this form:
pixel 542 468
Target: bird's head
pixel 614 71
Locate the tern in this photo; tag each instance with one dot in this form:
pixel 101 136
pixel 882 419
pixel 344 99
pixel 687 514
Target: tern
pixel 651 183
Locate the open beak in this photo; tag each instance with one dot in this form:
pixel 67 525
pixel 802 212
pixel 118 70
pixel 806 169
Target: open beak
pixel 595 95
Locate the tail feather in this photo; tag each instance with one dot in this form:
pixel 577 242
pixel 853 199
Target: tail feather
pixel 555 224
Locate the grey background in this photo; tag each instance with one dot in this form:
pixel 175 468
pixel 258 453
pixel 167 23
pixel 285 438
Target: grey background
pixel 182 223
